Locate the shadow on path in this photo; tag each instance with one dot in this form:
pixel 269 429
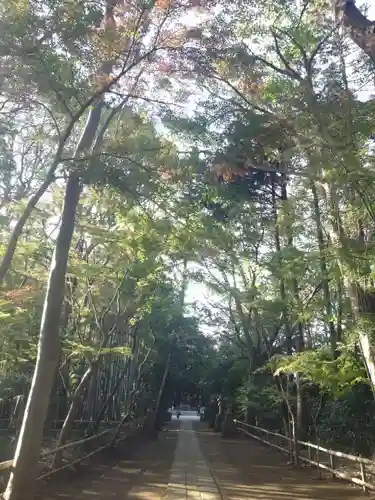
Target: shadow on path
pixel 245 469
pixel 139 470
pixel 201 464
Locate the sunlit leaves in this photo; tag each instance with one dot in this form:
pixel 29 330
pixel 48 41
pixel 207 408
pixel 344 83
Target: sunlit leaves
pixel 333 375
pixel 76 350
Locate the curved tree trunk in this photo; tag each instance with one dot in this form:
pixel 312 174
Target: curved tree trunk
pixel 21 484
pixel 18 228
pixel 50 177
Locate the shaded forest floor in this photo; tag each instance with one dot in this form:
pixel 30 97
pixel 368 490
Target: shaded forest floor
pixel 245 469
pixel 241 469
pixel 137 468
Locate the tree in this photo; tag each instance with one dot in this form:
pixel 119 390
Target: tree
pixel 111 55
pixel 360 28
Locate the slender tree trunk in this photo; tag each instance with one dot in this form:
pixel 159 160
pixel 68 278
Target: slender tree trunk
pixel 50 177
pixel 362 300
pixel 162 386
pixel 18 228
pixel 151 423
pixel 21 484
pixel 124 419
pixel 249 415
pixel 131 367
pixel 285 318
pixel 132 396
pixel 288 416
pixel 103 409
pixel 283 296
pixel 93 395
pixel 75 405
pixel 78 400
pixel 299 346
pixel 293 421
pixel 324 271
pixel 299 399
pixel 340 308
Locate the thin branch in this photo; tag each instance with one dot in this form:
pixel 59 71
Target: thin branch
pixel 292 72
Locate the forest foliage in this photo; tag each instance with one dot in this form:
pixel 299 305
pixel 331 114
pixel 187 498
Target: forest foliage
pixel 152 148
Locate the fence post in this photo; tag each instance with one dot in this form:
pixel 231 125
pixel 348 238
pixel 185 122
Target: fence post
pixel 332 464
pixel 309 455
pixel 317 461
pixel 363 475
pixel 291 449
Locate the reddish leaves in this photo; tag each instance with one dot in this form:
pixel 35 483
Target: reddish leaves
pixel 227 172
pixel 18 297
pixel 162 4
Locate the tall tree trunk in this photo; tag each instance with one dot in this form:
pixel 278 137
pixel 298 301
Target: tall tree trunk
pixel 75 405
pixel 103 409
pixel 152 420
pixel 340 308
pixel 299 396
pixel 324 270
pixel 286 406
pixel 250 418
pixel 78 399
pixel 285 318
pixel 21 484
pixel 162 386
pixel 131 367
pixel 299 346
pixel 132 396
pixel 93 395
pixel 361 29
pixel 362 300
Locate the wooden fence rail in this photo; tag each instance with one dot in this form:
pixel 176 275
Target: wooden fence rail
pixel 6 465
pixel 317 456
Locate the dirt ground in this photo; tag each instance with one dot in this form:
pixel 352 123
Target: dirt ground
pixel 242 469
pixel 245 469
pixel 137 469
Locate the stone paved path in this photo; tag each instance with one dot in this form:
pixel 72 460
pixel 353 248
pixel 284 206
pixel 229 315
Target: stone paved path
pixel 190 462
pixel 190 475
